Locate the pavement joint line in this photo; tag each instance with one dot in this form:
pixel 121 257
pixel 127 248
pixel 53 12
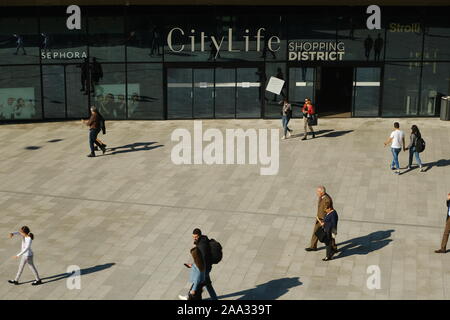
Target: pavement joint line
pixel 209 209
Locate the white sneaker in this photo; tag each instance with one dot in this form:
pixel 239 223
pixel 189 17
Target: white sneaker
pixel 283 137
pixel 289 134
pixel 182 297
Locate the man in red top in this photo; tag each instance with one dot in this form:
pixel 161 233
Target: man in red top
pixel 307 111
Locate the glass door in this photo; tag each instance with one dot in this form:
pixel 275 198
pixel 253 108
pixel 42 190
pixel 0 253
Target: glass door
pixel 366 92
pixel 179 93
pixel 225 94
pixel 301 86
pixel 248 102
pixel 203 101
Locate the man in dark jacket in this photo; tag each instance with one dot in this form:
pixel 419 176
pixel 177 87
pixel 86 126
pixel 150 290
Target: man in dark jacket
pixel 95 124
pixel 443 248
pixel 202 243
pixel 329 225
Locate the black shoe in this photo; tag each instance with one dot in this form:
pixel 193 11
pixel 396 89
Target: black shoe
pixel 96 148
pixel 310 249
pixel 103 149
pixel 91 155
pixel 36 283
pixel 304 138
pixel 13 282
pixel 314 136
pixel 440 251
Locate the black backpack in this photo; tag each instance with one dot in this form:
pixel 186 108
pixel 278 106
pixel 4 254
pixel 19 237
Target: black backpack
pixel 216 251
pixel 420 145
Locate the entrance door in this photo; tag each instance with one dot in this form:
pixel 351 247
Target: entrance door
pixel 208 93
pixel 179 93
pixel 301 86
pixel 366 92
pixel 248 95
pixel 336 90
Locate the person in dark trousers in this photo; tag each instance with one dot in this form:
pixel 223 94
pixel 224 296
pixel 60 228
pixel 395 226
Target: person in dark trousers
pixel 377 47
pixel 96 74
pixel 103 129
pixel 25 255
pixel 84 75
pixel 415 135
pixel 368 44
pixel 94 124
pixel 202 242
pixel 307 110
pixel 19 44
pixel 443 248
pixel 329 224
pixel 197 277
pixel 325 201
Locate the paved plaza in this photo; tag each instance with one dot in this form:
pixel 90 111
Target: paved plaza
pixel 126 218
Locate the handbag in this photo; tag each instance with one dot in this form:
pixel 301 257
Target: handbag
pixel 312 120
pixel 321 235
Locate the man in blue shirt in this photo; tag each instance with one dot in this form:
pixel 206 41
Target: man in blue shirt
pixel 443 248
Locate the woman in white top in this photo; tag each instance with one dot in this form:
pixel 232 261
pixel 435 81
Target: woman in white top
pixel 27 255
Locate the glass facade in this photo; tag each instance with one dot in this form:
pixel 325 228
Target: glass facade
pixel 215 62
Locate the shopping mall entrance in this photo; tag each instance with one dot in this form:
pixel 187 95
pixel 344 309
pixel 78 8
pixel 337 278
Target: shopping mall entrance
pixel 337 91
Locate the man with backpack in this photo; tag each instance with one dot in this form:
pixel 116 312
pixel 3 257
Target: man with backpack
pixel 210 256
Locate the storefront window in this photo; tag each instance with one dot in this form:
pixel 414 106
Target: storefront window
pixel 58 43
pixel 54 91
pixel 401 89
pixel 145 91
pixel 110 93
pixel 106 34
pixel 145 35
pixel 435 84
pixel 20 93
pixel 404 32
pixel 360 43
pixel 437 37
pixel 19 42
pixel 78 90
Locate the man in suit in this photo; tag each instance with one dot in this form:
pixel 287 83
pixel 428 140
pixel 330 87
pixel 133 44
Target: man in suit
pixel 325 201
pixel 443 248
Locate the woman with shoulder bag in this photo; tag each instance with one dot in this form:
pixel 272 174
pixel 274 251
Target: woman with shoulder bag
pixel 415 135
pixel 308 112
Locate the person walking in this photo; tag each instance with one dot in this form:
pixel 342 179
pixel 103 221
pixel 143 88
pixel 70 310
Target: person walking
pixel 397 141
pixel 415 135
pixel 329 224
pixel 286 114
pixel 202 243
pixel 94 124
pixel 197 277
pixel 103 129
pixel 325 201
pixel 26 255
pixel 308 111
pixel 443 248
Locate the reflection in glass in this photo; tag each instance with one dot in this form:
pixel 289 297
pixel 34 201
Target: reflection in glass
pixel 54 92
pixel 301 86
pixel 110 91
pixel 248 103
pixel 20 93
pixel 366 92
pixel 435 85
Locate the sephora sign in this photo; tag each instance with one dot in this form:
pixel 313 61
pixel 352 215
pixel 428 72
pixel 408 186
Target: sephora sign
pixel 252 41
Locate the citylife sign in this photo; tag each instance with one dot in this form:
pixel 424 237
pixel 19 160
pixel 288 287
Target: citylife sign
pixel 222 43
pixel 316 51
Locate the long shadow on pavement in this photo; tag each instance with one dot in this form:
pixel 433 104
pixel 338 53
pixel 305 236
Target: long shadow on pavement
pixel 83 272
pixel 364 245
pixel 271 290
pixel 439 163
pixel 137 146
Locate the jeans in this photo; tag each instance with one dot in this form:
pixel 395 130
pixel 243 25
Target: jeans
pixel 284 122
pixel 395 163
pixel 412 151
pixel 93 133
pixel 208 284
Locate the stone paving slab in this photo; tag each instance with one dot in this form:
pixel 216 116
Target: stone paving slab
pixel 126 218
